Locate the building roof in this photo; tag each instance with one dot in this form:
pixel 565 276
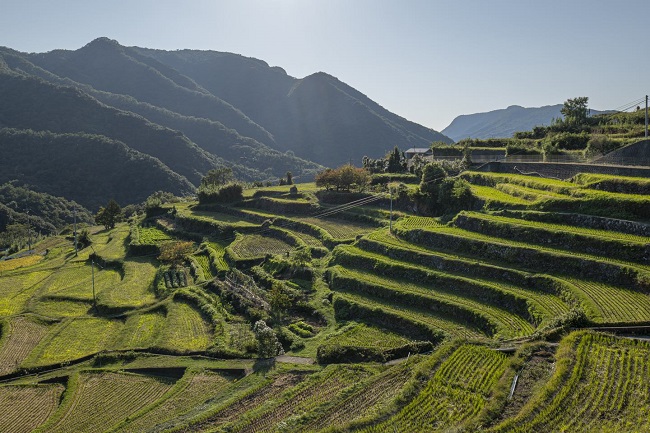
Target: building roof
pixel 418 150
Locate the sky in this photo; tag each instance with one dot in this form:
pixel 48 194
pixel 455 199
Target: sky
pixel 426 60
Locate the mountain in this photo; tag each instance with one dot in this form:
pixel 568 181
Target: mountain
pixel 180 114
pixel 46 213
pixel 89 169
pixel 317 117
pixel 503 123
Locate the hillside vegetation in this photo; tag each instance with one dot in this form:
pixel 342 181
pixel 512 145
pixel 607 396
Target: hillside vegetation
pixel 189 111
pixel 182 318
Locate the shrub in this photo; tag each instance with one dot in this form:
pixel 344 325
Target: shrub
pixel 226 194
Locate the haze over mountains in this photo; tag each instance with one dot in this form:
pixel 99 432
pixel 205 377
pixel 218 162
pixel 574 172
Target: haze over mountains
pixel 158 119
pixel 503 123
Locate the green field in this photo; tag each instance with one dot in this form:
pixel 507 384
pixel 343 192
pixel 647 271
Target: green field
pixel 422 328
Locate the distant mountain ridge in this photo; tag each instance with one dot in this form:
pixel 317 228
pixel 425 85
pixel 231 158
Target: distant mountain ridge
pixel 503 123
pixel 185 112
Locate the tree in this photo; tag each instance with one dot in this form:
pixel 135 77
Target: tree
pixel 175 252
pixel 289 178
pixel 432 175
pixel 343 178
pixel 217 177
pixel 278 300
pixel 267 342
pixel 110 215
pixel 395 161
pixel 575 110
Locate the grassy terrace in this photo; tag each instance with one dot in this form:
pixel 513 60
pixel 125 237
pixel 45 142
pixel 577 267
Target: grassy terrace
pixel 184 359
pixel 521 254
pixel 623 246
pixel 402 292
pixel 383 310
pixel 529 302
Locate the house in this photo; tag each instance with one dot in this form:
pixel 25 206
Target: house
pixel 424 152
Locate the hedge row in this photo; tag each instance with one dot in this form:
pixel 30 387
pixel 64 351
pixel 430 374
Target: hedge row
pixel 347 310
pixel 335 354
pixel 456 286
pixel 442 308
pixel 564 239
pixel 532 258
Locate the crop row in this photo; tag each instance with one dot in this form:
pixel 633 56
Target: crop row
pixel 25 408
pixel 304 398
pixel 494 198
pixel 599 385
pixel 20 336
pixel 152 235
pixel 339 229
pixel 419 323
pixel 105 399
pixel 253 246
pixel 190 391
pixel 476 295
pixel 368 399
pixel 614 305
pixel 446 400
pixel 416 222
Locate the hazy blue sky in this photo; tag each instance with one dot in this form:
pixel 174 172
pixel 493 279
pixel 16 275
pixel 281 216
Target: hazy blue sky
pixel 426 60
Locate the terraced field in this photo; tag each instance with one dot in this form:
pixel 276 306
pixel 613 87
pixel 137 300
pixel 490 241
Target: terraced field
pixel 335 289
pixel 599 385
pixel 456 393
pixel 102 400
pixel 25 407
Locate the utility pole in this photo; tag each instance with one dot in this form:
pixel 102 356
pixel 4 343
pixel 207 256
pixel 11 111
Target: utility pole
pixel 29 230
pixel 390 223
pixel 646 117
pixel 74 211
pixel 92 270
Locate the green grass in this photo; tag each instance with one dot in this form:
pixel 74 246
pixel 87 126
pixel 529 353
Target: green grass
pixel 253 246
pixel 109 245
pixel 152 236
pixel 75 281
pixel 496 198
pixel 63 342
pixel 415 315
pixel 339 229
pixel 409 294
pixel 614 305
pixel 142 330
pixel 623 247
pixel 59 308
pixel 135 289
pixel 452 272
pixel 17 288
pixel 416 222
pixel 362 335
pixel 185 330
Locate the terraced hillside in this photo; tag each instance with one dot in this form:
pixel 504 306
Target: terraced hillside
pixel 457 324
